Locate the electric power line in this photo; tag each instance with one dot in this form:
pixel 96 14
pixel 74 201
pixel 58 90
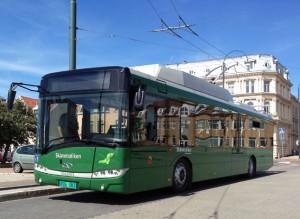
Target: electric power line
pixel 168 28
pixel 201 38
pixel 132 39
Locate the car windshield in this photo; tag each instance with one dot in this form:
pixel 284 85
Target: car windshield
pixel 85 118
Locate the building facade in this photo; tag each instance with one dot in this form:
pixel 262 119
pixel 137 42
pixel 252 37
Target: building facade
pixel 261 82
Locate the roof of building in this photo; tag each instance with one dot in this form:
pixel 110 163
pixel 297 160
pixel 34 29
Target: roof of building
pixel 30 102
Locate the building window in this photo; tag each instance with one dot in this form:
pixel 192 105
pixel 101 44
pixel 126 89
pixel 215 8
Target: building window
pixel 252 142
pixel 231 88
pixel 184 111
pixel 200 124
pixel 250 65
pixel 214 124
pixel 160 111
pixel 200 108
pixel 238 144
pixel 185 124
pixel 102 126
pixel 216 141
pixel 250 104
pixel 249 86
pixel 266 86
pixel 173 125
pixel 174 139
pixel 165 125
pixel 92 127
pixel 263 142
pixel 173 110
pixel 158 125
pixel 267 107
pixel 235 124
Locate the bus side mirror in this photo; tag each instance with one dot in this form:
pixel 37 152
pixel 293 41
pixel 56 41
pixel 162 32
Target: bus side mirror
pixel 139 98
pixel 11 96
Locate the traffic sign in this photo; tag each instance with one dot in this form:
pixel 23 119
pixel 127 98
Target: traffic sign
pixel 281 130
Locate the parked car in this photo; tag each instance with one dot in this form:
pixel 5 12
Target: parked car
pixel 23 158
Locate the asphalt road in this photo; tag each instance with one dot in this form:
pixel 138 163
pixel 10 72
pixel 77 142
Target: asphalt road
pixel 272 194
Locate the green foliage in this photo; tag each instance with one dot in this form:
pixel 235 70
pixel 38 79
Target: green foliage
pixel 16 125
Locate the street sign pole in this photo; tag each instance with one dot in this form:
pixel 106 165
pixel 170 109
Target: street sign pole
pixel 281 149
pixel 281 137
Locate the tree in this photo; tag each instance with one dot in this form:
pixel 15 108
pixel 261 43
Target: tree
pixel 17 126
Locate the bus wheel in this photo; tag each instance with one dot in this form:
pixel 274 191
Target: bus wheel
pixel 181 176
pixel 251 167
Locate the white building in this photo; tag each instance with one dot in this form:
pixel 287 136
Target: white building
pixel 260 81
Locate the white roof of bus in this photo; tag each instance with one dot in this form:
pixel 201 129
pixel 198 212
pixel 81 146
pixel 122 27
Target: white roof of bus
pixel 185 79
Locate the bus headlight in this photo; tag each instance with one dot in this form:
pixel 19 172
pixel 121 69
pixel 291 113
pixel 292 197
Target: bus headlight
pixel 109 173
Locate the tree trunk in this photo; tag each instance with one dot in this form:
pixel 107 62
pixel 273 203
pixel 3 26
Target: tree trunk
pixel 4 158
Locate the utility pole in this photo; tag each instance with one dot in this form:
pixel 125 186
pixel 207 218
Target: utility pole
pixel 72 37
pixel 298 106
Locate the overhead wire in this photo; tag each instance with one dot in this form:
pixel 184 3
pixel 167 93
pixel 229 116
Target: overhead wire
pixel 176 34
pixel 197 35
pixel 132 39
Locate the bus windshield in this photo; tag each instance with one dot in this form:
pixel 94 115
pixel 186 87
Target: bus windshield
pixel 98 118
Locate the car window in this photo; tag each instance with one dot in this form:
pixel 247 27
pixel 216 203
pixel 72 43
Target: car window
pixel 30 150
pixel 25 150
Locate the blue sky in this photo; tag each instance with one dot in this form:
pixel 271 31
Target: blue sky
pixel 34 37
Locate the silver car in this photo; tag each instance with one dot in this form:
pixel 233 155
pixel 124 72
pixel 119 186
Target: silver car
pixel 23 158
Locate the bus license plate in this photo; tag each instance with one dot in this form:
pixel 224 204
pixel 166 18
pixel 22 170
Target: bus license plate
pixel 69 185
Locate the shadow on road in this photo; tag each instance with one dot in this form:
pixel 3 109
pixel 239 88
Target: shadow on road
pixel 143 197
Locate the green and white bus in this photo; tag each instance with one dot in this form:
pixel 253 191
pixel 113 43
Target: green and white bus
pixel 115 129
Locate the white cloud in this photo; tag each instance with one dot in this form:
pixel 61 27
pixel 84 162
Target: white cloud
pixel 21 68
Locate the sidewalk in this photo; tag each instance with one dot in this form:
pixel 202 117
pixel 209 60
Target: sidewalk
pixel 22 185
pixel 289 158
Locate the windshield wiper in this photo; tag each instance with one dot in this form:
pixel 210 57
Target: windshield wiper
pixel 45 149
pixel 76 139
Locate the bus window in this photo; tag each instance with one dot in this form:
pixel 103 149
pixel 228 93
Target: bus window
pixel 186 117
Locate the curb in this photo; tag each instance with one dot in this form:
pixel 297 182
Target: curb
pixel 31 192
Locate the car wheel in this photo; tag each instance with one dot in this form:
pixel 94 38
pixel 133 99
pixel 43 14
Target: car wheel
pixel 17 168
pixel 181 176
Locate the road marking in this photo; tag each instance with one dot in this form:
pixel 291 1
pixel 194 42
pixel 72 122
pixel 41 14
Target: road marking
pixel 285 162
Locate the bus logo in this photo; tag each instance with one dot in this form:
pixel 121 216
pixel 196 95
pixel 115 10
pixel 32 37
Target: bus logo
pixel 106 160
pixel 67 165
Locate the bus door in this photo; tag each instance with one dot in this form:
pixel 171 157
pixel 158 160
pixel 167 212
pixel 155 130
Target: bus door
pixel 147 168
pixel 148 153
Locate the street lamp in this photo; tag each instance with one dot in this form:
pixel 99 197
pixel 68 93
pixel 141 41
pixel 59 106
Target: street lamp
pixel 212 70
pixel 223 64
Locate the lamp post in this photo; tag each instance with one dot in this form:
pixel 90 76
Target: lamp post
pixel 223 64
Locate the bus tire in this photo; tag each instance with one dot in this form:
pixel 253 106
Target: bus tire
pixel 181 176
pixel 251 168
